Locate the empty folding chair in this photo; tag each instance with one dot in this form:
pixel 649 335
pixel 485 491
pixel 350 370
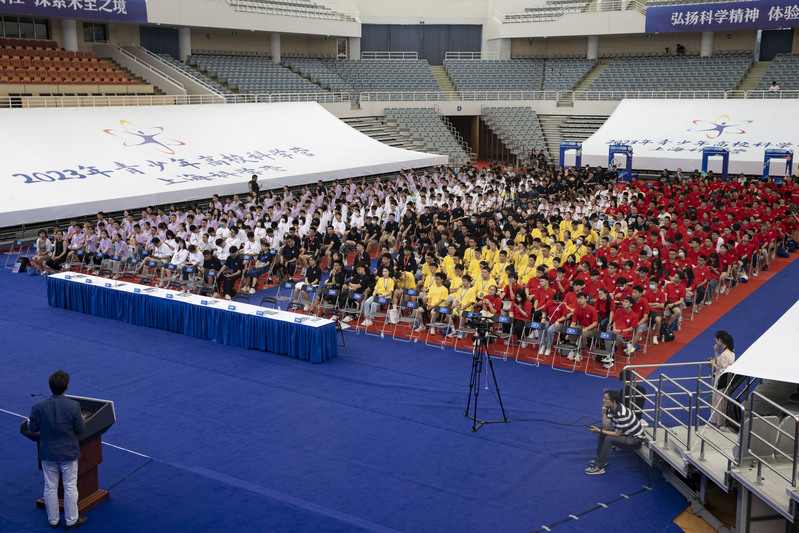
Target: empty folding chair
pixel 500 323
pixel 566 344
pixel 130 270
pixel 352 309
pixel 602 353
pixel 148 272
pixel 528 352
pixel 443 321
pixel 408 317
pixel 328 301
pixel 464 330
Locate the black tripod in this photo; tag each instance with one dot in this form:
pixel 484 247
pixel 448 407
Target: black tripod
pixel 480 352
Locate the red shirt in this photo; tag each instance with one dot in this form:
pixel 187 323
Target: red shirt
pixel 496 302
pixel 641 307
pixel 674 292
pixel 555 311
pixel 624 320
pixel 584 317
pixel 571 299
pixel 527 307
pixel 542 297
pixel 510 292
pixel 656 297
pixel 532 285
pixel 603 310
pixel 702 275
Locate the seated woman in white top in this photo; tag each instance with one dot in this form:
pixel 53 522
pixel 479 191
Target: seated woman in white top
pixel 179 259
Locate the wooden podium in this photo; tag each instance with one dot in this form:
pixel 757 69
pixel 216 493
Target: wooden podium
pixel 89 493
pixel 98 417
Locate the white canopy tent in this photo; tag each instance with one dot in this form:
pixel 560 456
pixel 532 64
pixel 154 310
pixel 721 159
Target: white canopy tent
pixel 66 162
pixel 672 133
pixel 773 355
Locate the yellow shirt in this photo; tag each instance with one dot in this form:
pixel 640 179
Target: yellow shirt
pixel 525 273
pixel 437 295
pixel 498 273
pixel 536 233
pixel 429 281
pixel 384 286
pixel 490 256
pixel 519 237
pixel 448 264
pixel 468 255
pixel 474 269
pixel 546 262
pixel 466 297
pixel 426 270
pixel 407 281
pixel 481 286
pixel 455 284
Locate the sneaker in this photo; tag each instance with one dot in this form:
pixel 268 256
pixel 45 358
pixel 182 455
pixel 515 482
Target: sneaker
pixel 547 352
pixel 347 318
pixel 216 295
pixel 594 470
pixel 609 365
pixel 571 355
pixel 578 358
pixel 366 323
pixel 306 308
pixel 460 335
pixel 629 349
pixel 606 359
pixel 420 329
pixel 507 342
pixel 227 297
pixel 655 340
pixel 708 302
pixel 432 331
pixel 252 290
pixel 451 334
pixel 592 462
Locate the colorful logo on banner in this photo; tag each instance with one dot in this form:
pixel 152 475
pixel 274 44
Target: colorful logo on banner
pixel 721 125
pixel 145 137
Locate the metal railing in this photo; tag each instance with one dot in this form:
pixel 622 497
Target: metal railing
pixel 666 403
pixel 775 451
pixel 472 55
pixel 650 414
pixel 554 12
pixel 311 11
pixel 705 388
pixel 144 65
pixel 153 99
pixel 432 96
pixel 207 86
pixel 389 55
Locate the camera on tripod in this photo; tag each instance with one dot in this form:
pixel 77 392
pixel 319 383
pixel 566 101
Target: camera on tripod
pixel 481 325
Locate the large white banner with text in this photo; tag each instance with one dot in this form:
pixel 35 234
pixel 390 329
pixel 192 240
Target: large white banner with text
pixel 60 163
pixel 672 133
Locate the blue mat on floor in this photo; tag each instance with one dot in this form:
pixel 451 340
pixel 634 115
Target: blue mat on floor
pixel 374 440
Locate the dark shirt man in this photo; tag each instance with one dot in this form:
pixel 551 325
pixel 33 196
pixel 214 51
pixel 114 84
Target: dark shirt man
pixel 59 422
pixel 230 272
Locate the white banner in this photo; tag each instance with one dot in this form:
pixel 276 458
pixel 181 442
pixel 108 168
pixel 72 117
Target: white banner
pixel 60 163
pixel 672 133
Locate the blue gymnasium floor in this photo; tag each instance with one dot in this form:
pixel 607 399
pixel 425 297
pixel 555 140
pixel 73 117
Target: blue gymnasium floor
pixel 374 440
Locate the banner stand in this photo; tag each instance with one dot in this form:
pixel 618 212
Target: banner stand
pixel 787 155
pixel 578 156
pixel 709 152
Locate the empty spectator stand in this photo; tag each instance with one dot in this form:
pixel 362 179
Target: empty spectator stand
pixel 385 75
pixel 428 126
pixel 39 62
pixel 681 2
pixel 195 73
pixel 552 10
pixel 289 8
pixel 709 77
pixel 784 69
pixel 517 127
pixel 496 74
pixel 563 74
pixel 253 74
pixel 314 70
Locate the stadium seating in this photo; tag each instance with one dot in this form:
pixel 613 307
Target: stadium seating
pixel 784 69
pixel 290 8
pixel 518 127
pixel 318 73
pixel 253 74
pixel 552 10
pixel 406 75
pixel 186 69
pixel 493 75
pixel 681 2
pixel 710 76
pixel 559 74
pixel 427 125
pixel 38 62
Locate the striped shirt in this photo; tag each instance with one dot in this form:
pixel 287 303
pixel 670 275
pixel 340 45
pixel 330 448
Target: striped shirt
pixel 625 421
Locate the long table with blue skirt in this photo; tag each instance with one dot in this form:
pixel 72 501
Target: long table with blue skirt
pixel 227 322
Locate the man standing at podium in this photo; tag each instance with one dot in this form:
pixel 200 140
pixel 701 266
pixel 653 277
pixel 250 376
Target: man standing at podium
pixel 58 420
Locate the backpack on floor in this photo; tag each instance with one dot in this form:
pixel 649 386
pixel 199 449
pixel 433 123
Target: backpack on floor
pixel 666 333
pixel 782 252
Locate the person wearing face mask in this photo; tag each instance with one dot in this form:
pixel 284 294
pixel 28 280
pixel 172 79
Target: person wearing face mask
pixel 521 310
